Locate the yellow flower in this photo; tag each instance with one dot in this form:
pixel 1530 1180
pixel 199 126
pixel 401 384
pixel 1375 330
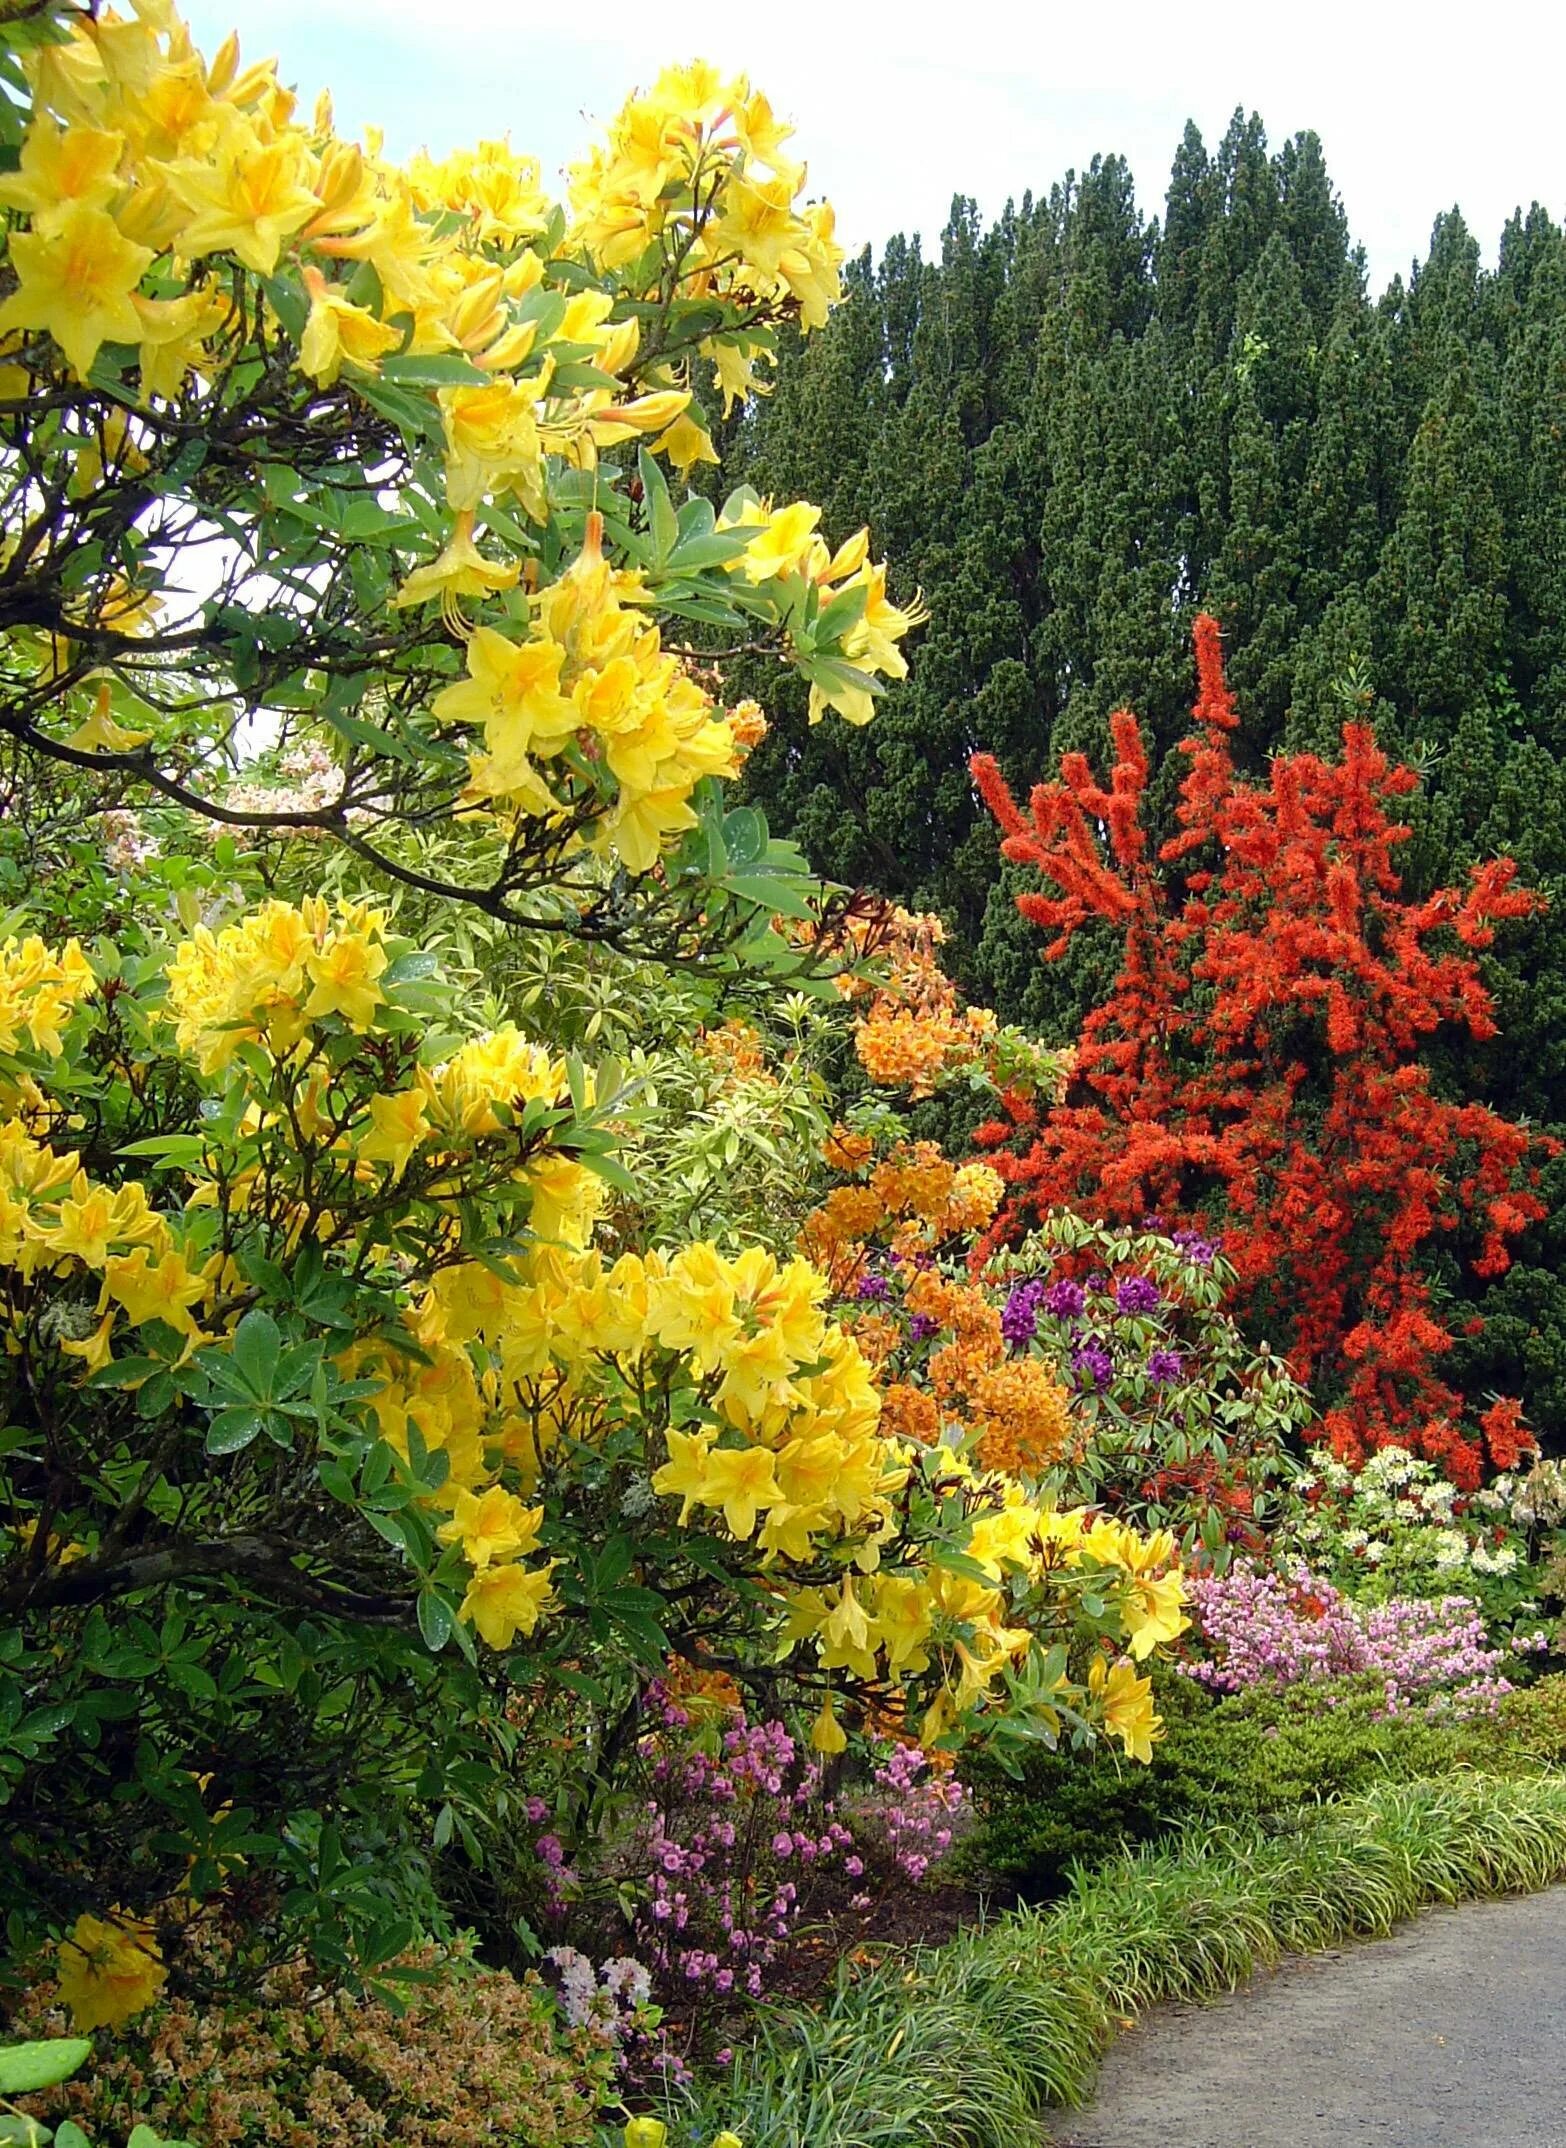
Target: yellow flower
pixel 460 570
pixel 165 1290
pixel 684 1475
pixel 1127 1704
pixel 109 1970
pixel 827 1734
pixel 504 1601
pixel 492 445
pixel 740 1480
pixel 1152 1611
pixel 686 443
pixel 398 1124
pixel 344 974
pixel 245 199
pixel 640 824
pixel 646 2133
pixel 491 1527
pixel 338 330
pixel 59 166
pixel 75 280
pixel 513 690
pixel 782 543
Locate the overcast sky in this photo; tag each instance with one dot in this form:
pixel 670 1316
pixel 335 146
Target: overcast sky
pixel 899 106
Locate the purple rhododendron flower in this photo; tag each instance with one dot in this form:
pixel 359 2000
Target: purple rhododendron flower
pixel 1065 1300
pixel 1137 1294
pixel 1020 1314
pixel 876 1287
pixel 1164 1367
pixel 1093 1365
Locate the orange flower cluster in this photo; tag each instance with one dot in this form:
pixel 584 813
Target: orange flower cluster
pixel 913 1031
pixel 737 1049
pixel 1016 1405
pixel 913 1200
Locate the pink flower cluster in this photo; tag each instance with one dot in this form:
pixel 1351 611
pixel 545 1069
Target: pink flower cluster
pixel 917 1810
pixel 1280 1629
pixel 732 1843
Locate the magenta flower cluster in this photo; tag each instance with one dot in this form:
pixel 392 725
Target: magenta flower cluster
pixel 917 1810
pixel 1267 1628
pixel 732 1842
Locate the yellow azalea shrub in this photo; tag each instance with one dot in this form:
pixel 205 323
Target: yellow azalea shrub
pixel 457 570
pixel 366 1262
pixel 345 1432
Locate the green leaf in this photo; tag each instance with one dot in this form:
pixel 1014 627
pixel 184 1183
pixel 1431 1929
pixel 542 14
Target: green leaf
pixel 25 2068
pixel 661 518
pixel 186 1150
pixel 436 1620
pixel 255 1347
pixel 233 1429
pixel 441 369
pixel 771 895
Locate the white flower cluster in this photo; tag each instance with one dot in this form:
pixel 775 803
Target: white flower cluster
pixel 603 2001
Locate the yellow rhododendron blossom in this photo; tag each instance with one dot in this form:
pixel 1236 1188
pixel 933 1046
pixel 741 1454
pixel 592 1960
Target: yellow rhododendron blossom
pixel 339 332
pixel 459 570
pixel 491 1526
pixel 741 1481
pixel 827 1734
pixel 74 279
pixel 1127 1704
pixel 109 1970
pixel 153 1290
pixel 399 1125
pixel 503 1601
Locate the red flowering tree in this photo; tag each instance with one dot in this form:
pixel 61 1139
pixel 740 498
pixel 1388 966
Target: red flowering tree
pixel 1256 1067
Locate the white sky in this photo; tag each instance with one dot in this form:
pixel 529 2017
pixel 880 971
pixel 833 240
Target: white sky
pixel 899 106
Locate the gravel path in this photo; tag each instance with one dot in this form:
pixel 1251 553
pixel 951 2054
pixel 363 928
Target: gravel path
pixel 1450 2034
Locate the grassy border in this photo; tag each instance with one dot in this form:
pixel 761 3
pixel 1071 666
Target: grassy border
pixel 969 2045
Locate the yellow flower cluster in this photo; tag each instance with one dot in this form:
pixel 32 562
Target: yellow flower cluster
pixel 788 548
pixel 796 1449
pixel 590 692
pixel 694 173
pixel 38 991
pixel 967 1627
pixel 266 979
pixel 53 1216
pixel 145 165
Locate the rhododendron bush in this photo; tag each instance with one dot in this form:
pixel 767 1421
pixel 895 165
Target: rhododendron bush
pixel 1257 1066
pixel 360 1411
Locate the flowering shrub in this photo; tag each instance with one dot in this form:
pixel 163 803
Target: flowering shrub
pixel 1100 1360
pixel 1399 1527
pixel 736 1844
pixel 913 1810
pixel 1281 1629
pixel 466 2054
pixel 911 1032
pixel 355 1326
pixel 454 362
pixel 1256 1065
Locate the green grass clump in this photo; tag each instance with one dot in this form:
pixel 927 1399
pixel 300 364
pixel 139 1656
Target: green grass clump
pixel 968 2045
